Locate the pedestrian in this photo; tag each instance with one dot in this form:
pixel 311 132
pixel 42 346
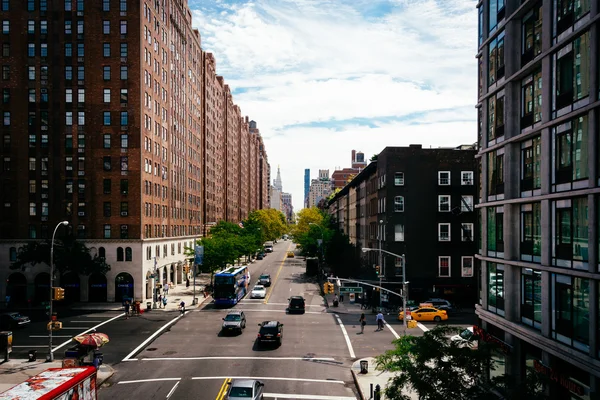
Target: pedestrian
pixel 165 301
pixel 363 322
pixel 160 301
pixel 335 301
pixel 127 306
pixel 341 297
pixel 182 307
pixel 166 288
pixel 187 283
pixel 379 319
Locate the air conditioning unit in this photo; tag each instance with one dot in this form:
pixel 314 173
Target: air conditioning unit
pixel 81 213
pixel 123 213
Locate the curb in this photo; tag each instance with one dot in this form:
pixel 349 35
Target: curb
pixel 110 373
pixel 355 378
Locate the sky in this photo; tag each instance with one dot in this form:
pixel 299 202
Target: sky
pixel 324 77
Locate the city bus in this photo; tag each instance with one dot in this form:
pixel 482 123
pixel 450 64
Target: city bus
pixel 231 285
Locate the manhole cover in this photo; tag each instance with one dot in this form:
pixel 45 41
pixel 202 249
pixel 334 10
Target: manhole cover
pixel 152 349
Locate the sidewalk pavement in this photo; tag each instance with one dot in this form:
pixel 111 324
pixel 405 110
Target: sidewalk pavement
pixel 373 377
pixel 14 372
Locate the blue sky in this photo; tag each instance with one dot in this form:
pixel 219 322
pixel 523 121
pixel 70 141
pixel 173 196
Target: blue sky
pixel 324 77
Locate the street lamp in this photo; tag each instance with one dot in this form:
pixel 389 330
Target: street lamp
pixel 322 240
pixel 65 223
pixel 404 281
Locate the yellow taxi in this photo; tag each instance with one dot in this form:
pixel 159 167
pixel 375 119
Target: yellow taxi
pixel 425 312
pixel 290 254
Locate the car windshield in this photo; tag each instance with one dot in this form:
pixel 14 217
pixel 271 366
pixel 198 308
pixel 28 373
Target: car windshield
pixel 297 301
pixel 466 334
pixel 264 277
pixel 272 330
pixel 232 318
pixel 240 392
pixel 259 288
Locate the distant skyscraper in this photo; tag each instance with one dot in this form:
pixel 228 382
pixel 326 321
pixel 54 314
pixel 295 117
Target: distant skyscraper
pixel 306 185
pixel 319 188
pixel 277 182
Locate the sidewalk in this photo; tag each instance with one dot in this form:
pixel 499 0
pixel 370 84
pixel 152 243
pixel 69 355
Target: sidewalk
pixel 14 372
pixel 373 377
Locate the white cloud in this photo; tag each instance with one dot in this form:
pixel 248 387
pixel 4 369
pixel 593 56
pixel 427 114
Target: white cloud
pixel 318 62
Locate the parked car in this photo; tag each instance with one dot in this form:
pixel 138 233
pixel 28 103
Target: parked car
pixel 234 321
pixel 270 332
pixel 296 304
pixel 260 256
pixel 440 304
pixel 466 338
pixel 290 254
pixel 265 280
pixel 245 389
pixel 13 320
pixel 258 292
pixel 426 314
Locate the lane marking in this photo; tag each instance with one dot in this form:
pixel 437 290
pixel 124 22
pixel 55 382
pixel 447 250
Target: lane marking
pixel 151 337
pixel 306 396
pixel 44 346
pixel 281 304
pixel 423 327
pixel 238 358
pixel 265 310
pixel 392 329
pixel 75 327
pixel 84 322
pixel 345 336
pixel 46 336
pixel 173 389
pixel 267 378
pixel 86 331
pixel 149 380
pixel 223 389
pixel 275 281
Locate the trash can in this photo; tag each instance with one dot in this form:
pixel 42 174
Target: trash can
pixel 6 344
pixel 364 367
pixel 32 355
pixel 148 305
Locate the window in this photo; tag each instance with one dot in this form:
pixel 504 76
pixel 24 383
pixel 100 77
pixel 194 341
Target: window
pixel 5 27
pixel 106 73
pixel 444 203
pixel 399 233
pixel 444 266
pixel 466 267
pixel 531 232
pixel 123 29
pixel 43 5
pixel 81 232
pixel 106 231
pixel 31 27
pixel 124 141
pixel 32 210
pixel 567 12
pixel 106 186
pixel 106 118
pixel 128 252
pixel 6 7
pixel 32 163
pixel 125 232
pixel 124 163
pixel 120 254
pixel 122 5
pixel 571 304
pixel 444 232
pixel 106 27
pixel 80 27
pixel 480 25
pixel 69 118
pixel 80 6
pixel 570 141
pixel 570 233
pixel 444 178
pixel 466 178
pixel 466 203
pixel 44 27
pixel 31 49
pixel 68 72
pixel 495 231
pixel 496 12
pixel 106 208
pixel 495 117
pixel 32 185
pixel 495 172
pixel 495 278
pixel 32 232
pixel 532 34
pixel 124 72
pixel 466 232
pixel 496 59
pixel 572 65
pixel 124 208
pixel 68 27
pixel 399 178
pixel 106 162
pixel 44 49
pixel 124 96
pixel 124 186
pixel 124 118
pixel 106 96
pixel 105 5
pixel 68 5
pixel 80 50
pixel 399 204
pixel 80 73
pixel 106 49
pixel 123 49
pixel 531 169
pixel 531 298
pixel 31 72
pixel 531 99
pixel 5 49
pixel 81 95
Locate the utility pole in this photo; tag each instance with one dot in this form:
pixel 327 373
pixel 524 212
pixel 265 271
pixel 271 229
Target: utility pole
pixel 50 354
pixel 381 271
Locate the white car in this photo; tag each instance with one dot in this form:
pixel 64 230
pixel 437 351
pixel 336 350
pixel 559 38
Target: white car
pixel 466 338
pixel 259 292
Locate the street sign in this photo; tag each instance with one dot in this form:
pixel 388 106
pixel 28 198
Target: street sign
pixel 350 289
pixel 199 252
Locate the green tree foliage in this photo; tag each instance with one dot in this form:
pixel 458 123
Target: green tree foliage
pixel 271 222
pixel 437 368
pixel 69 255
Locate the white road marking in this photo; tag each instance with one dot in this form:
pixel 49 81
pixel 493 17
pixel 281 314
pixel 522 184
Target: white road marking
pixel 173 390
pixel 75 327
pixel 273 311
pixel 83 322
pixel 276 304
pixel 305 396
pixel 151 337
pixel 270 378
pixel 392 329
pixel 86 331
pixel 46 336
pixel 149 380
pixel 423 327
pixel 345 336
pixel 239 358
pixel 44 346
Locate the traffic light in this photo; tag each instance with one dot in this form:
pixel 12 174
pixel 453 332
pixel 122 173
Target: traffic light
pixel 58 293
pixel 331 288
pixel 377 269
pixel 326 288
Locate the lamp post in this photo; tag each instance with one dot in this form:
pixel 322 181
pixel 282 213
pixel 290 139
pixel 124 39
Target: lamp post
pixel 65 223
pixel 322 240
pixel 381 270
pixel 404 281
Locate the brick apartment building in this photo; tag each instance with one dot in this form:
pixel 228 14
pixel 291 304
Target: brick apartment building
pixel 116 121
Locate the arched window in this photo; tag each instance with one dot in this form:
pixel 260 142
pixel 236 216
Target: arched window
pixel 128 255
pixel 101 252
pixel 119 254
pixel 13 254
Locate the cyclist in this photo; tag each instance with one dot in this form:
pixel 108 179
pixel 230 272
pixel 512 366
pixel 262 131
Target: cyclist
pixel 182 307
pixel 380 321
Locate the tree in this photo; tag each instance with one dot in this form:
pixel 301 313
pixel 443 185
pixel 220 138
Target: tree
pixel 271 222
pixel 437 368
pixel 69 255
